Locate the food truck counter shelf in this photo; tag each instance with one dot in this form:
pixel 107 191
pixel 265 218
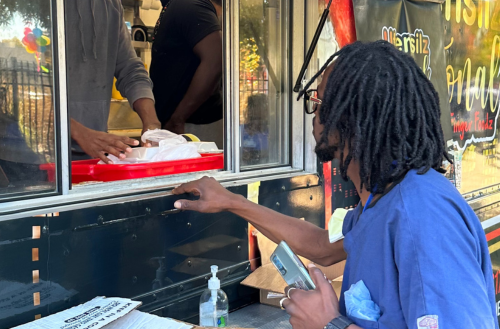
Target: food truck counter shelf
pixel 260 316
pixel 89 170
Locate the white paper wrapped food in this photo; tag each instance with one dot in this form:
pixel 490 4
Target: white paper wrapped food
pixel 158 135
pixel 206 147
pixel 170 151
pixel 143 153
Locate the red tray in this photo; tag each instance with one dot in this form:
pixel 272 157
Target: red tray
pixel 89 170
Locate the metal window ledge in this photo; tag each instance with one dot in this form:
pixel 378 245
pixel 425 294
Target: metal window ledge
pixel 100 194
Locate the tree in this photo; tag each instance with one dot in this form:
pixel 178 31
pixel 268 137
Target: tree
pixel 35 11
pixel 252 27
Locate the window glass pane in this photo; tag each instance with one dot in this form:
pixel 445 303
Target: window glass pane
pixel 264 82
pixel 180 44
pixel 26 97
pixel 472 55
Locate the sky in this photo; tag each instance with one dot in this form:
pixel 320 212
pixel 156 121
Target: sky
pixel 14 29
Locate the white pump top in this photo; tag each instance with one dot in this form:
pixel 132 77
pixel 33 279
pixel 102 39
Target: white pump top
pixel 214 282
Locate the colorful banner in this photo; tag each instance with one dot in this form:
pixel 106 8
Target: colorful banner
pixel 415 27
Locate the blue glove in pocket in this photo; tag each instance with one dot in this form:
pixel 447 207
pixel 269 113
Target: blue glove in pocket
pixel 359 303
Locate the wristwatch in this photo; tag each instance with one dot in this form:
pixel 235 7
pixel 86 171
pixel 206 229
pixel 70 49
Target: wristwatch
pixel 341 322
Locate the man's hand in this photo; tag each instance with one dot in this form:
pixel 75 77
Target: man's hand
pixel 213 196
pixel 315 308
pixel 97 143
pixel 145 108
pixel 150 127
pixel 175 125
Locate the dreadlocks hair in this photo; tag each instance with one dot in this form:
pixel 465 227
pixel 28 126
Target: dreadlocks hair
pixel 385 109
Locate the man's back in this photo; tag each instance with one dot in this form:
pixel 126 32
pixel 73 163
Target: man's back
pixel 183 25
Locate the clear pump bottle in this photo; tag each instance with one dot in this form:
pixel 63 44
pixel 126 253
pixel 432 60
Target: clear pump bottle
pixel 214 304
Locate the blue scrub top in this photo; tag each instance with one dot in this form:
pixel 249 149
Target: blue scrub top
pixel 421 251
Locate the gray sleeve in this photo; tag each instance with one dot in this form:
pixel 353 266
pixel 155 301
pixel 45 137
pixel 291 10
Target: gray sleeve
pixel 132 77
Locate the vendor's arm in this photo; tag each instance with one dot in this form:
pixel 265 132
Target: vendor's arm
pixel 145 108
pixel 305 238
pixel 97 143
pixel 205 81
pixel 132 80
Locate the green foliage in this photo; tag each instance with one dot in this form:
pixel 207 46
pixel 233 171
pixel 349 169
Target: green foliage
pixel 36 12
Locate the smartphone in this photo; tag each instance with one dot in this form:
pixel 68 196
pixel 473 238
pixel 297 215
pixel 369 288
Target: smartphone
pixel 291 268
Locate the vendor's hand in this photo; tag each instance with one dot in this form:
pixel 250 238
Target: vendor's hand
pixel 150 127
pixel 213 196
pixel 315 308
pixel 97 143
pixel 175 125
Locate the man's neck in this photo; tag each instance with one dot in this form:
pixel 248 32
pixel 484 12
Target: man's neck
pixel 353 173
pixel 364 194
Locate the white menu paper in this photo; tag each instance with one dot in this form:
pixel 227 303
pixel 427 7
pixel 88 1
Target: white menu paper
pixel 94 314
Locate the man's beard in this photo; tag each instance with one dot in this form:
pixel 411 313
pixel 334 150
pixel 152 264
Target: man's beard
pixel 325 153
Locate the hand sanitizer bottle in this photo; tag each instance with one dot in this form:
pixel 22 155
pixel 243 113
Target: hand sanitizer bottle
pixel 214 304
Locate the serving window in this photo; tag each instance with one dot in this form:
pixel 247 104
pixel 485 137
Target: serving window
pixel 263 127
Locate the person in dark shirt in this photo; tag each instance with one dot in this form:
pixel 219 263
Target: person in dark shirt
pixel 186 68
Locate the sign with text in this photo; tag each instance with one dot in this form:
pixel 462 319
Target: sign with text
pixel 415 27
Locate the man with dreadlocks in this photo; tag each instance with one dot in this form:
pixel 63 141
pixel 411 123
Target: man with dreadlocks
pixel 413 240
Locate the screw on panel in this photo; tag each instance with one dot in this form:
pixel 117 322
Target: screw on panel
pixel 239 247
pixel 283 188
pixel 134 279
pixel 45 229
pixel 311 197
pixel 155 297
pixel 206 278
pixel 228 271
pixel 148 210
pixel 277 204
pixel 100 220
pixel 308 183
pixel 188 225
pixel 134 237
pixel 181 287
pixel 189 263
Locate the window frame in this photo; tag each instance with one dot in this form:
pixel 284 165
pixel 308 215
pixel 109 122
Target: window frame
pixel 301 142
pixel 59 97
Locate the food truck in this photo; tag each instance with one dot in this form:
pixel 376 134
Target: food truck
pixel 72 231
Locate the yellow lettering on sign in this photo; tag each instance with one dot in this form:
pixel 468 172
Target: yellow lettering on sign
pixel 460 82
pixel 469 17
pixel 470 13
pixel 484 10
